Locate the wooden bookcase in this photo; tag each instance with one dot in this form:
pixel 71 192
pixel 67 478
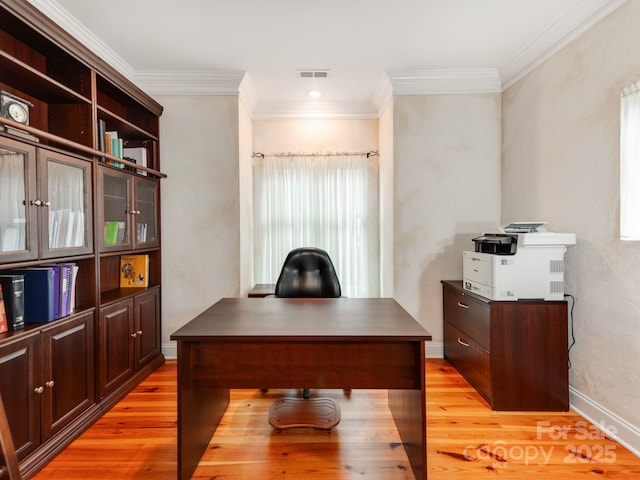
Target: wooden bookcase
pixel 57 378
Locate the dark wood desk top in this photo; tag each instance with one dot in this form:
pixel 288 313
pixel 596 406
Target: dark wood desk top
pixel 262 290
pixel 278 319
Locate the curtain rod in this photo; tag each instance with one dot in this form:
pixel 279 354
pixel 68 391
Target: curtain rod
pixel 372 153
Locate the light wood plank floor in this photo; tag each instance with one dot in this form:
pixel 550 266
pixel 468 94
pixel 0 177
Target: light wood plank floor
pixel 466 440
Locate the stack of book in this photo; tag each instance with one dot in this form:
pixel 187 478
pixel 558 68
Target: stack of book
pixel 66 228
pixel 110 143
pixel 40 294
pixel 114 232
pixel 13 299
pixel 137 155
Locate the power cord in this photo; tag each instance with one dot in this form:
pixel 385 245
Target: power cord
pixel 573 337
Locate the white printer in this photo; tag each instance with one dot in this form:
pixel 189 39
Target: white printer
pixel 522 261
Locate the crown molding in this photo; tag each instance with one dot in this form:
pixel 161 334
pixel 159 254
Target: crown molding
pixel 167 82
pixel 444 81
pixel 553 39
pixel 73 26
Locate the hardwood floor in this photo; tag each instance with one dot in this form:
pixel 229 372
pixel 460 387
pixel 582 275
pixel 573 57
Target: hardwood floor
pixel 466 440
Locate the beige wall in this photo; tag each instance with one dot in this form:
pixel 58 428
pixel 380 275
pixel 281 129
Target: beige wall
pixel 200 206
pixel 314 135
pixel 446 190
pixel 385 129
pixel 440 186
pixel 560 164
pixel 246 199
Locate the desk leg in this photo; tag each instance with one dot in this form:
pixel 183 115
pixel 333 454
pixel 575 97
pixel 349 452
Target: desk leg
pixel 409 412
pixel 199 413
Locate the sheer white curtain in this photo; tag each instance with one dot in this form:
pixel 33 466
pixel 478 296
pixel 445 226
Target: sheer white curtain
pixel 66 195
pixel 630 163
pixel 325 201
pixel 12 198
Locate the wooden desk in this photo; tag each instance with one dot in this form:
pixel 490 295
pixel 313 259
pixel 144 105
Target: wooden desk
pixel 285 343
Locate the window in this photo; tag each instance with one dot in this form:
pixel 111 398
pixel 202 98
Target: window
pixel 325 201
pixel 630 163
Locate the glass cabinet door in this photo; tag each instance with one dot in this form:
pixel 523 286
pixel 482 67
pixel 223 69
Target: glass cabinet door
pixel 66 217
pixel 115 209
pixel 18 235
pixel 146 212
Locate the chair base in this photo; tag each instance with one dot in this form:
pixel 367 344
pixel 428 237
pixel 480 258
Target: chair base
pixel 289 412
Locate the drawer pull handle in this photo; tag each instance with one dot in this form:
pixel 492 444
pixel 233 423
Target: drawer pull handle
pixel 462 305
pixel 464 344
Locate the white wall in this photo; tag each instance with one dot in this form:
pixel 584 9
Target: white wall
pixel 446 190
pixel 200 207
pixel 245 135
pixel 561 153
pixel 385 129
pixel 315 135
pixel 440 184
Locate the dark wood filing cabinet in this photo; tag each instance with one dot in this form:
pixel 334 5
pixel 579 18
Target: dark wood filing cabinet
pixel 515 354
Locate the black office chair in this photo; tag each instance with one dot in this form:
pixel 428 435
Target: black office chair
pixel 307 272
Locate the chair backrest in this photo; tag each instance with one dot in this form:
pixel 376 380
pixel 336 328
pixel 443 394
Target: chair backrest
pixel 308 273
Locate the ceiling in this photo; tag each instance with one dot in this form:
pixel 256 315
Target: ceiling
pixel 372 48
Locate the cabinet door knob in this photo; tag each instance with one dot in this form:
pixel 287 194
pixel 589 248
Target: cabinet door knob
pixel 38 389
pixel 37 203
pixel 463 305
pixel 139 332
pixel 464 344
pixel 50 384
pixel 46 204
pixel 134 334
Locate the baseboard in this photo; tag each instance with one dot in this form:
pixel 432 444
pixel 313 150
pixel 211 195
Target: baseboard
pixel 434 350
pixel 613 426
pixel 170 350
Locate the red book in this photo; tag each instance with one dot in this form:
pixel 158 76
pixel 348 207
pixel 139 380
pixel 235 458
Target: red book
pixel 3 316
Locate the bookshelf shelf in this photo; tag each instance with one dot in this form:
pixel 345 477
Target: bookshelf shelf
pixel 40 86
pixel 127 128
pixel 54 169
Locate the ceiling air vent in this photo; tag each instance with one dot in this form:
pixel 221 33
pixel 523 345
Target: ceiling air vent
pixel 313 73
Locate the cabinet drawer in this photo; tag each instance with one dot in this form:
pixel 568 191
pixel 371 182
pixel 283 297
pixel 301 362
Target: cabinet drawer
pixel 469 358
pixel 468 315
